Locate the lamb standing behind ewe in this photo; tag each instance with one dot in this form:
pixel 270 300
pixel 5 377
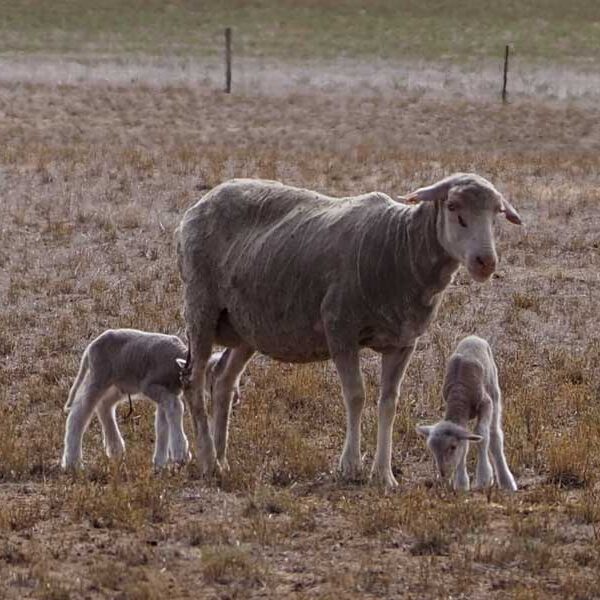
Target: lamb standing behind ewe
pixel 304 277
pixel 471 391
pixel 128 361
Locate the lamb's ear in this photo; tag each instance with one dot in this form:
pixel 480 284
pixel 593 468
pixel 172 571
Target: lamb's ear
pixel 465 434
pixel 510 213
pixel 424 430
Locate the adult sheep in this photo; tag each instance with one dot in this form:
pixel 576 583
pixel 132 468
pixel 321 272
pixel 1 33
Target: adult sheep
pixel 304 277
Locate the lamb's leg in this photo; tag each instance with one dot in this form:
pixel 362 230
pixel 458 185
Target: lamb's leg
pixel 461 476
pixel 113 442
pixel 178 442
pixel 161 432
pixel 223 396
pixel 171 441
pixel 353 391
pixel 484 475
pixel 503 475
pixel 393 367
pixel 80 413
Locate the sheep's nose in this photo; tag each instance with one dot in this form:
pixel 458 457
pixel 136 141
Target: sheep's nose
pixel 487 263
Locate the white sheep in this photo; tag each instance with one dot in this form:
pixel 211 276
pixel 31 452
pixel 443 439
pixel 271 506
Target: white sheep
pixel 121 362
pixel 470 391
pixel 303 277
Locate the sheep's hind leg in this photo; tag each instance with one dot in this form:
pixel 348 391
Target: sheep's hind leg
pixel 224 385
pixel 393 367
pixel 106 413
pixel 202 324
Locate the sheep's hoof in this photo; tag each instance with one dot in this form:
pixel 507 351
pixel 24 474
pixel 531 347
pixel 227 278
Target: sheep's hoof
pixel 351 471
pixel 383 477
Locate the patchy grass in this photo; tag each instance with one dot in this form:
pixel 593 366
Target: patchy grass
pixel 94 180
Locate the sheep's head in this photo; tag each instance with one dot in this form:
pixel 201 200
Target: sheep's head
pixel 446 442
pixel 468 208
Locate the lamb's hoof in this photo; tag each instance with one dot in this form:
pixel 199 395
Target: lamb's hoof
pixel 211 469
pixel 71 467
pixel 483 484
pixel 383 477
pixel 509 486
pixel 461 487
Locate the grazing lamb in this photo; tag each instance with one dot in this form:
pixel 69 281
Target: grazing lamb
pixel 127 361
pixel 304 277
pixel 471 391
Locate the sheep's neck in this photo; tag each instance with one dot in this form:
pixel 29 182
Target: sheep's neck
pixel 458 405
pixel 431 265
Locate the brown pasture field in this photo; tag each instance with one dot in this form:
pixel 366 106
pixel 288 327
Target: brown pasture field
pixel 94 178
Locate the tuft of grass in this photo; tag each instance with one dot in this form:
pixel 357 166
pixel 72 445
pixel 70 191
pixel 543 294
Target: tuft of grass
pixel 226 564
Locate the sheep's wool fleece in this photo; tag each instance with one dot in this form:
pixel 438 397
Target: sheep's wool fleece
pixel 284 265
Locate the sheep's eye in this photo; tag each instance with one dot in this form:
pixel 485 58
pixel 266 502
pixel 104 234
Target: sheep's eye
pixel 461 221
pixel 451 207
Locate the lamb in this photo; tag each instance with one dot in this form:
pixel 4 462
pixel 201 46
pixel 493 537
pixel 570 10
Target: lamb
pixel 471 391
pixel 304 277
pixel 128 361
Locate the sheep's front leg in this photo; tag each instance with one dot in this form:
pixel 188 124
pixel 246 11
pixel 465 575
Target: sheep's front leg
pixel 353 391
pixel 393 367
pixel 484 475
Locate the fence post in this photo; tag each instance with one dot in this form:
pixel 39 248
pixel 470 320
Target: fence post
pixel 505 79
pixel 228 60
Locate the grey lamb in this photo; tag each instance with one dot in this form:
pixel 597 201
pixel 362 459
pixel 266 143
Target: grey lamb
pixel 304 277
pixel 471 391
pixel 128 361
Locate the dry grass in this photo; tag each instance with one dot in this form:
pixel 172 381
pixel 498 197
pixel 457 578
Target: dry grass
pixel 94 180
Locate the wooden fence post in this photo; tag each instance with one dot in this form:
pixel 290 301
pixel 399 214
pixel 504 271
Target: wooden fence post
pixel 228 60
pixel 505 78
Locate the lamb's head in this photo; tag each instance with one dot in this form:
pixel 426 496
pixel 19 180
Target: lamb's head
pixel 468 207
pixel 446 442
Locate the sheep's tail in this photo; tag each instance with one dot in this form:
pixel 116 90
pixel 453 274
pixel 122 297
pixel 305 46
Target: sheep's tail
pixel 83 369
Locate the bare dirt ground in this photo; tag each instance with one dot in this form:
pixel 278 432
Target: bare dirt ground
pixel 94 177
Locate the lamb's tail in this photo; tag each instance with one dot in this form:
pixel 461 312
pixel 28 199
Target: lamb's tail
pixel 83 369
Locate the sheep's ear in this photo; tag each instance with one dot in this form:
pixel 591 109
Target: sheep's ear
pixel 510 213
pixel 436 191
pixel 180 363
pixel 424 430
